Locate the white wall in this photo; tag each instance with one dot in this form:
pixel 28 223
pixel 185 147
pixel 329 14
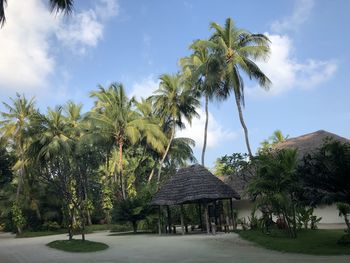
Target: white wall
pixel 329 213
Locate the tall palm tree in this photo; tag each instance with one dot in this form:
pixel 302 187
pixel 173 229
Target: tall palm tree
pixel 201 69
pixel 55 6
pixel 115 117
pixel 237 49
pixel 173 102
pixel 13 126
pixel 52 149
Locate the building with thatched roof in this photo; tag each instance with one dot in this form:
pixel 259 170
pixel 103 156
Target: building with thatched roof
pixel 304 144
pixel 193 184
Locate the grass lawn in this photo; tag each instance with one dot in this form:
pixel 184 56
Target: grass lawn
pixel 41 233
pixel 77 245
pixel 316 242
pixel 88 230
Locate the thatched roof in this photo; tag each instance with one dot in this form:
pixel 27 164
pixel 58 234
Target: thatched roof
pixel 309 143
pixel 193 184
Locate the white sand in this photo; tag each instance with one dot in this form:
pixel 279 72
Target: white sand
pixel 151 248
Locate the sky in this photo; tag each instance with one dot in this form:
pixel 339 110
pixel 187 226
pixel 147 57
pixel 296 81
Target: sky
pixel 56 58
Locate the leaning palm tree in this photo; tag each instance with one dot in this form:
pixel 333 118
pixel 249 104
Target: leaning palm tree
pixel 237 49
pixel 13 126
pixel 114 116
pixel 201 69
pixel 55 6
pixel 173 102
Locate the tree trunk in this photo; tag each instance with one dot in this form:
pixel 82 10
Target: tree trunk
pixel 134 226
pixel 151 174
pixel 205 128
pixel 240 113
pixel 166 152
pixel 120 143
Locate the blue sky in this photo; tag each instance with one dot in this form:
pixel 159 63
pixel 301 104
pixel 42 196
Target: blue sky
pixel 56 58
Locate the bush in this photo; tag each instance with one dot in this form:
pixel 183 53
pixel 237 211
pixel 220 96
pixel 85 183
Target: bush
pixel 51 226
pixel 121 228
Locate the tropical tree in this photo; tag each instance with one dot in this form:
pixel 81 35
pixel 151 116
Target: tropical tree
pixel 55 6
pixel 237 49
pixel 201 69
pixel 52 150
pixel 274 139
pixel 14 126
pixel 174 102
pixel 326 175
pixel 276 187
pixel 115 117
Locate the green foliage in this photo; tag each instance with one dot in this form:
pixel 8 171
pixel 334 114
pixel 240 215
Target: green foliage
pixel 306 218
pixel 51 226
pixel 325 175
pixel 275 187
pixel 230 164
pixel 132 210
pixel 17 216
pixel 344 211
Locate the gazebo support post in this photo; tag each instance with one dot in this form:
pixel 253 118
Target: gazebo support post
pixel 200 216
pixel 231 214
pixel 182 220
pixel 169 218
pixel 206 217
pixel 159 218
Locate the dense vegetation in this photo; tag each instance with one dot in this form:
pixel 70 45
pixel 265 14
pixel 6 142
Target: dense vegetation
pixel 286 187
pixel 65 168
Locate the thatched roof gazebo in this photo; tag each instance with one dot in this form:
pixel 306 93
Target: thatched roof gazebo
pixel 193 184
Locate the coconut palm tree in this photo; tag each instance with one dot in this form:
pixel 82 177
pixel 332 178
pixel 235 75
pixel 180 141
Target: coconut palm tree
pixel 114 116
pixel 14 126
pixel 237 49
pixel 201 68
pixel 55 6
pixel 173 102
pixel 52 149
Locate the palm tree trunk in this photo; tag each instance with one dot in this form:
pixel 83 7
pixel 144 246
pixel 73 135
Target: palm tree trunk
pixel 205 128
pixel 152 173
pixel 240 113
pixel 120 142
pixel 166 152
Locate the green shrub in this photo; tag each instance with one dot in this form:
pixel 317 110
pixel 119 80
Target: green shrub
pixel 121 228
pixel 51 226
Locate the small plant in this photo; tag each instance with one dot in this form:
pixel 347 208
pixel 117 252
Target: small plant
pixel 344 211
pixel 253 220
pixel 306 218
pixel 243 222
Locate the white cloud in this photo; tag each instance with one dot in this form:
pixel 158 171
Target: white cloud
pixel 216 133
pixel 145 87
pixel 24 50
pixel 286 72
pixel 26 41
pixel 300 14
pixel 85 29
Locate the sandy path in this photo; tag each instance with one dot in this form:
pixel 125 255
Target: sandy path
pixel 151 248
